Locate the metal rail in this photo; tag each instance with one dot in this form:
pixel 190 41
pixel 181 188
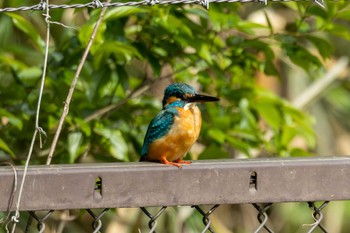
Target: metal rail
pixel 85 186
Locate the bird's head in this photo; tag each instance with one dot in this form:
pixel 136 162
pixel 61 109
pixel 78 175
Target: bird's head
pixel 184 92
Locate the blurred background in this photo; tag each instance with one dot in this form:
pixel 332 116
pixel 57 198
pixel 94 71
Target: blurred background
pixel 269 64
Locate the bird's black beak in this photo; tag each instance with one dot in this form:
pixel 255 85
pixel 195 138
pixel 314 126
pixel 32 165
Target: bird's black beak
pixel 202 98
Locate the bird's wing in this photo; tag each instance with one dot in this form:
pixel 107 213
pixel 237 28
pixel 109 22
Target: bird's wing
pixel 158 127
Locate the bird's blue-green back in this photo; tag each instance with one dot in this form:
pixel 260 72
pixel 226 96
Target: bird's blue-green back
pixel 160 125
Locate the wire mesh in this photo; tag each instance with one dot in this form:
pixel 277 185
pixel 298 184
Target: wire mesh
pixel 206 220
pixel 40 220
pixel 317 216
pixel 263 217
pixel 5 220
pixel 97 223
pixel 152 224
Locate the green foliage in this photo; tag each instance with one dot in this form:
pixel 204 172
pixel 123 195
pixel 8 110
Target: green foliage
pixel 217 49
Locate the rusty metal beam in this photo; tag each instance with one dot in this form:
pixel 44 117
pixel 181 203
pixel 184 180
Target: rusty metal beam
pixel 203 182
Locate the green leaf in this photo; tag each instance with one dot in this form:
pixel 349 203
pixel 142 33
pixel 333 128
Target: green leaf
pixel 317 11
pixel 222 61
pixel 4 147
pixel 123 53
pixel 288 133
pixel 12 119
pixel 213 152
pixel 117 146
pixel 249 27
pixel 322 45
pixel 270 113
pixel 119 12
pixel 339 30
pixel 12 62
pixel 299 152
pixel 204 52
pixel 25 26
pixel 221 20
pixel 32 73
pixel 84 126
pixel 86 32
pixel 344 14
pixel 197 11
pixel 217 135
pixel 6 30
pixel 247 116
pixel 239 144
pixel 74 142
pixel 300 56
pixel 176 26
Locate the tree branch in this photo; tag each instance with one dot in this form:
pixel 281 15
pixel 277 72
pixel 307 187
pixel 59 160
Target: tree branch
pixel 72 87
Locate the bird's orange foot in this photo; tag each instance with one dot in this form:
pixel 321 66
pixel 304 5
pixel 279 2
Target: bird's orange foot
pixel 182 161
pixel 165 161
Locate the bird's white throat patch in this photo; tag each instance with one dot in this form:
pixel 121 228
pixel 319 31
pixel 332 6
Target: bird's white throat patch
pixel 189 106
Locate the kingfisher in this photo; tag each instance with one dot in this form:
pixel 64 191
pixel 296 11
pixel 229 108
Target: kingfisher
pixel 174 130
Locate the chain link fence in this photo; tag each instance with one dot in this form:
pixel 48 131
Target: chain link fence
pixel 203 187
pixel 265 225
pixel 39 218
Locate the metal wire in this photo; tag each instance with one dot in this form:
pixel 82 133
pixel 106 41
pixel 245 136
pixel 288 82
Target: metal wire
pixel 317 216
pixel 13 191
pixel 97 4
pixel 29 223
pixel 263 217
pixel 206 219
pixel 262 224
pixel 97 223
pixel 152 224
pixel 40 225
pixel 38 129
pixel 321 3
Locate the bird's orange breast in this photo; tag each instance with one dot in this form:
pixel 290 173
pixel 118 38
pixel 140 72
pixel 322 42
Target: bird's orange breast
pixel 180 138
